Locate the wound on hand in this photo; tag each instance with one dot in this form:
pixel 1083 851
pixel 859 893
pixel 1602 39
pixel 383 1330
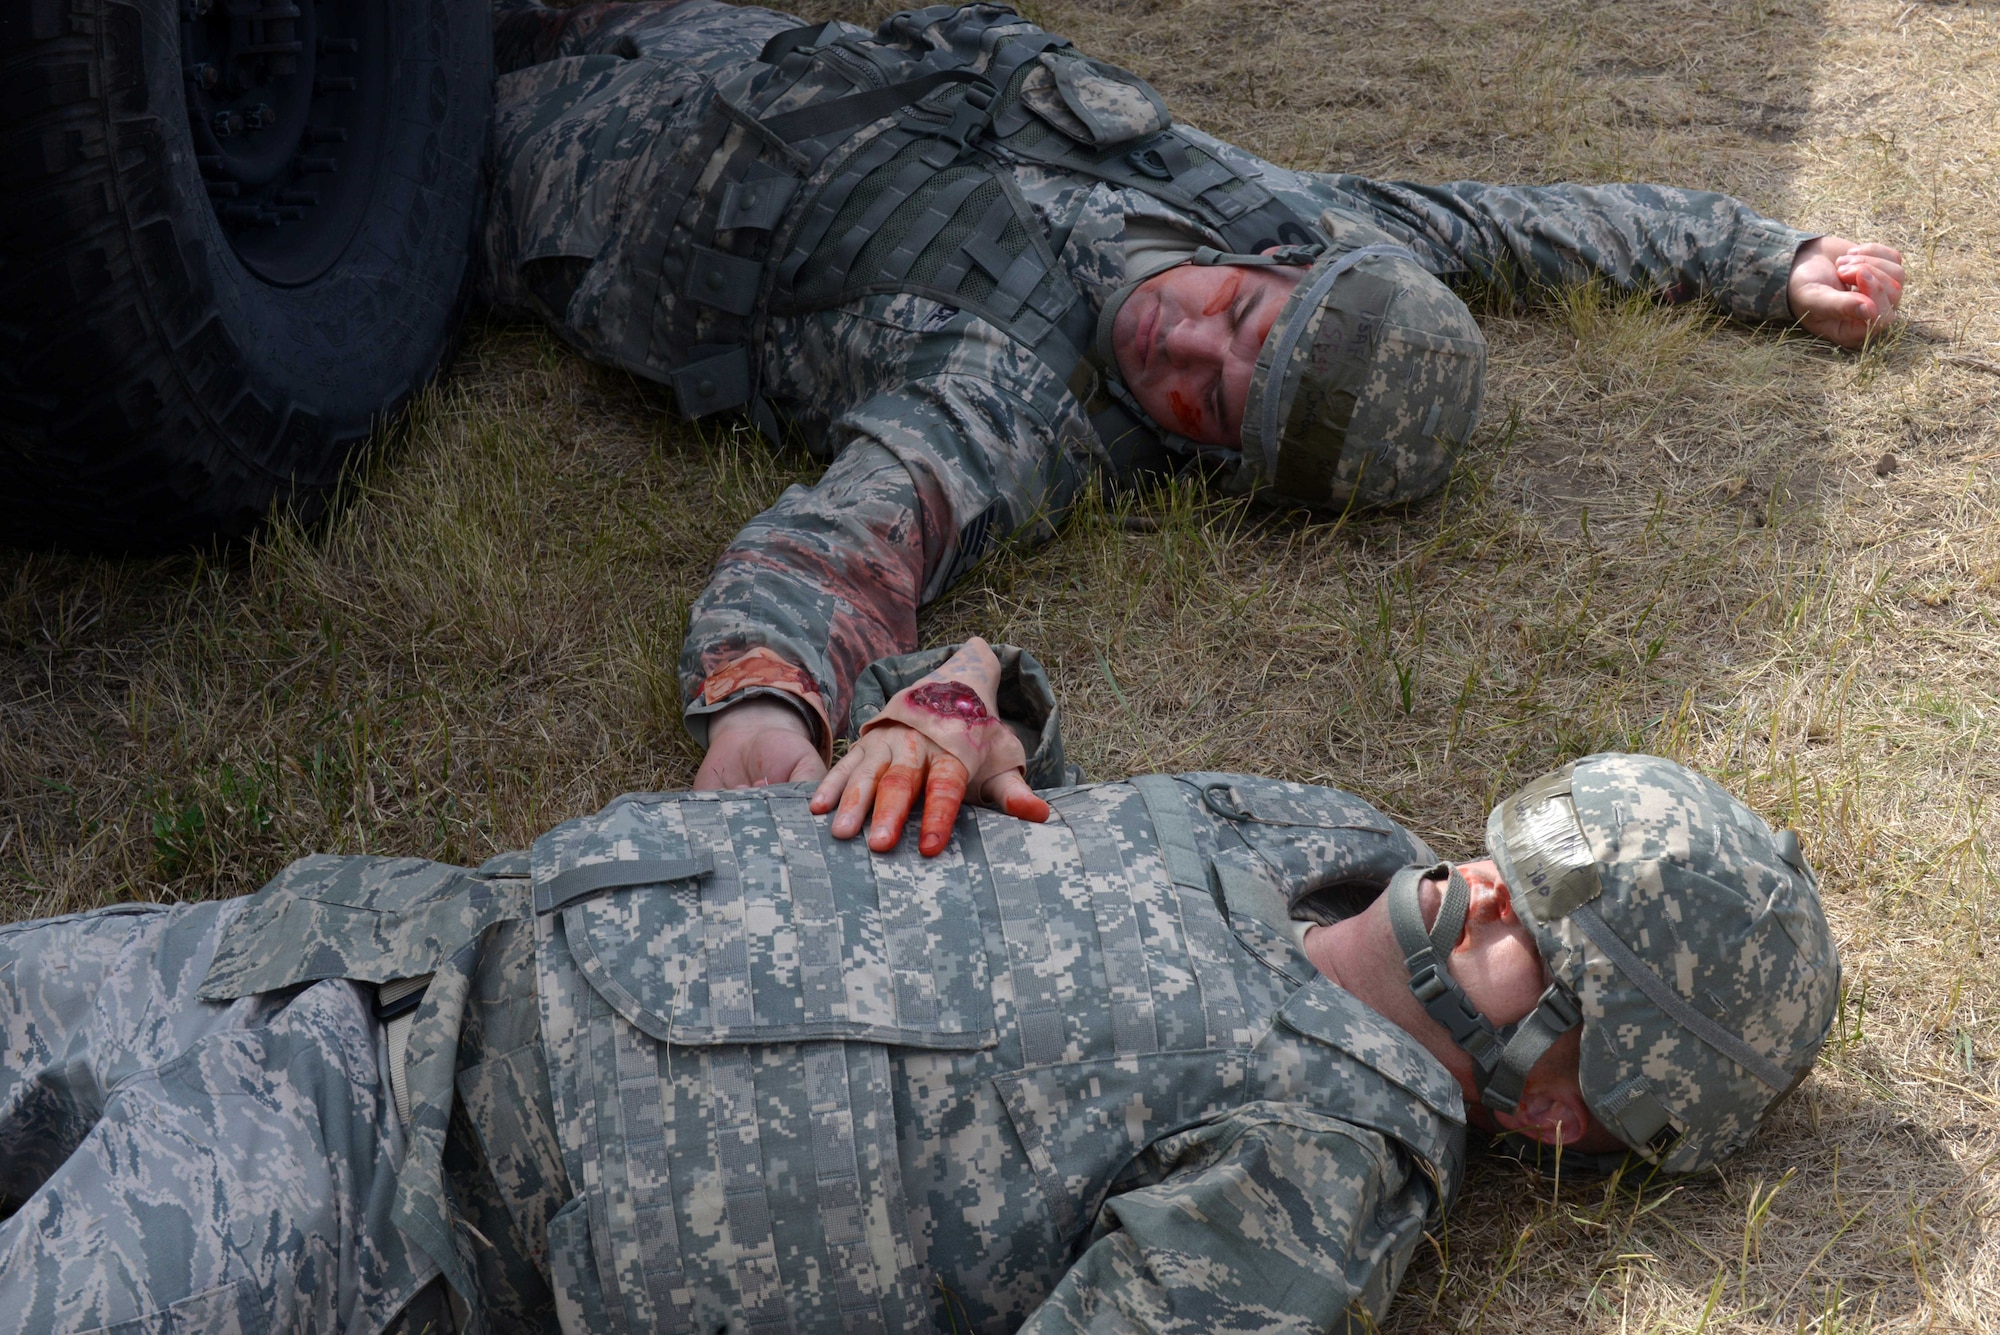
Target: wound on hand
pixel 952 700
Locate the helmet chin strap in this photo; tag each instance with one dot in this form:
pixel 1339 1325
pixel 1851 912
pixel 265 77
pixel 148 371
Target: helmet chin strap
pixel 1288 257
pixel 1501 1056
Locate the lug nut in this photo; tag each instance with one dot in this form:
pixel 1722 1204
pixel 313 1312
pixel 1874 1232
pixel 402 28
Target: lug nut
pixel 260 117
pixel 201 7
pixel 226 123
pixel 205 76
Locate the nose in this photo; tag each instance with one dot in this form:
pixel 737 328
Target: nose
pixel 1191 340
pixel 1489 902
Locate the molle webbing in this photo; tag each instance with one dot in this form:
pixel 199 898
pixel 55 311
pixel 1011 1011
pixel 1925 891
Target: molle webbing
pixel 911 212
pixel 1172 168
pixel 925 205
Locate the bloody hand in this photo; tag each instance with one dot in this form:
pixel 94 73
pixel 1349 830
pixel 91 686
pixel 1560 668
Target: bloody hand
pixel 943 737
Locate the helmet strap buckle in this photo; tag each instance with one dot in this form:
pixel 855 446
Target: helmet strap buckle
pixel 1501 1056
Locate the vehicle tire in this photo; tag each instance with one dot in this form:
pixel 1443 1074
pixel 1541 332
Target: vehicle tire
pixel 235 237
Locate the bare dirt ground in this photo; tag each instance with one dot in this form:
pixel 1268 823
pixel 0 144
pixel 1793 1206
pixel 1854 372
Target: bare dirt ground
pixel 1773 560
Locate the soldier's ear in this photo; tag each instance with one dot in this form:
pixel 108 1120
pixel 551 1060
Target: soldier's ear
pixel 1552 1116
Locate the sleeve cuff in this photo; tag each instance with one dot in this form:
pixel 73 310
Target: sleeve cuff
pixel 760 674
pixel 1763 271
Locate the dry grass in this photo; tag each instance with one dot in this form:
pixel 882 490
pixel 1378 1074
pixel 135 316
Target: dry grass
pixel 1670 536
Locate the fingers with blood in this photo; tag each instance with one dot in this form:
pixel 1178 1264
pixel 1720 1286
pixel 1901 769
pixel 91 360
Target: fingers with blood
pixel 944 792
pixel 893 799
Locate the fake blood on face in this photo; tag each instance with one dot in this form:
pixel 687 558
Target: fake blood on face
pixel 952 700
pixel 1188 414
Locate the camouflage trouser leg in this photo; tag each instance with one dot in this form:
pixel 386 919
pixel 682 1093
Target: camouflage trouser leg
pixel 182 1164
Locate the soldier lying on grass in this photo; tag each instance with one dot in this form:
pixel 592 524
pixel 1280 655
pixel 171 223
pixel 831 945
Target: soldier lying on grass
pixel 1195 1054
pixel 975 269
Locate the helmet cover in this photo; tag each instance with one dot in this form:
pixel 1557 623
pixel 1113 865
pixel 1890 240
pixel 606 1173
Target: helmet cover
pixel 1693 938
pixel 1383 373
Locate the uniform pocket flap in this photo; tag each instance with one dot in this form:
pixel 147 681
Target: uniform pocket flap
pixel 1326 847
pixel 1081 1123
pixel 1092 102
pixel 1259 911
pixel 773 932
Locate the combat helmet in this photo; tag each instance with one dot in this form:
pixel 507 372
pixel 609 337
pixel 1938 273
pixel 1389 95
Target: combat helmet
pixel 1367 386
pixel 1681 932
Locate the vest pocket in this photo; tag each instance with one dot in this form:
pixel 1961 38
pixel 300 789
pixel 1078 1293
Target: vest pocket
pixel 1094 103
pixel 793 935
pixel 573 1268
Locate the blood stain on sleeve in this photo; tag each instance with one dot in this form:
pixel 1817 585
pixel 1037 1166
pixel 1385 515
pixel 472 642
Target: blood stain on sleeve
pixel 952 700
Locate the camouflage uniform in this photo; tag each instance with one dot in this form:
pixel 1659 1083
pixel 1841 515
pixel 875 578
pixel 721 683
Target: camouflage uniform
pixel 946 433
pixel 694 1065
pixel 185 1165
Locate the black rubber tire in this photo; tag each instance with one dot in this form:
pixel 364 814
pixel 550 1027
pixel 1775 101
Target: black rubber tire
pixel 154 390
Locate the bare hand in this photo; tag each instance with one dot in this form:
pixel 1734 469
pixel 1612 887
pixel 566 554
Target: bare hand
pixel 757 742
pixel 1843 292
pixel 888 766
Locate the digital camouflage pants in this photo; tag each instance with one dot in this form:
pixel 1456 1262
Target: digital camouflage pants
pixel 170 1164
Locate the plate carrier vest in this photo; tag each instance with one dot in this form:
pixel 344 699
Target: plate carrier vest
pixel 723 987
pixel 842 164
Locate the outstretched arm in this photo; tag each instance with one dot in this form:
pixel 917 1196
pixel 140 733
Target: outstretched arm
pixel 830 578
pixel 1679 244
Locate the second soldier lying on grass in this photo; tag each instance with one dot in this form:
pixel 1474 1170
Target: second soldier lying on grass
pixel 1194 1054
pixel 975 269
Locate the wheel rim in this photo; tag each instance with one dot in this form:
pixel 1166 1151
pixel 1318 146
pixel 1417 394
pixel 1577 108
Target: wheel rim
pixel 286 102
